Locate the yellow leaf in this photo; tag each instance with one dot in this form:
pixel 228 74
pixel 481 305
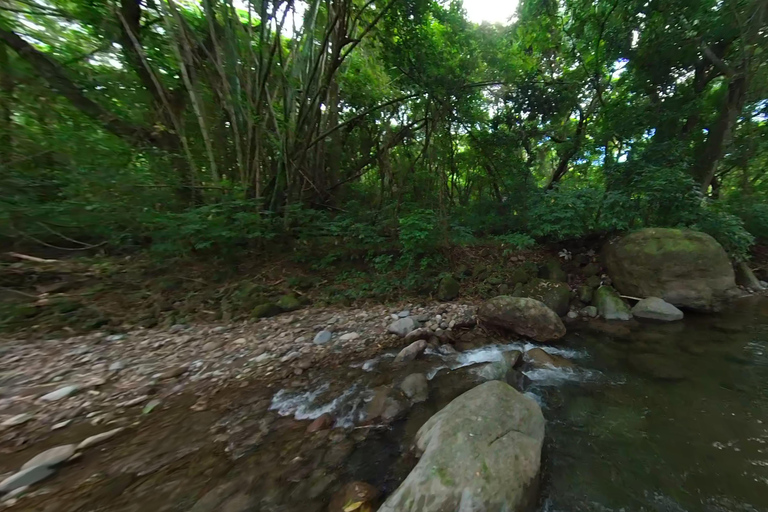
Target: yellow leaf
pixel 353 506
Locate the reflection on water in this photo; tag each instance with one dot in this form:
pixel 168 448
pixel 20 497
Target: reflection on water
pixel 638 443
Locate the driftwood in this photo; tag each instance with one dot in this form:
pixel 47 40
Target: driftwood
pixel 30 258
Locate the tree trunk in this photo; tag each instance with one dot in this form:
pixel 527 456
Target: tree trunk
pixel 720 133
pixel 7 86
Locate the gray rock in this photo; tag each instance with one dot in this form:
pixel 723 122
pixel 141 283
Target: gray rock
pixel 481 453
pixel 411 352
pixel 115 337
pixel 654 308
pixel 513 358
pixel 211 346
pixel 60 393
pixel 415 387
pixel 25 477
pixel 590 312
pixel 404 314
pixel 610 305
pixel 99 438
pixel 17 420
pixel 524 316
pixel 52 457
pixel 403 326
pixel 539 357
pixel 322 337
pixel 447 350
pixel 387 405
pixel 573 315
pixel 116 366
pixel 349 336
pixel 419 334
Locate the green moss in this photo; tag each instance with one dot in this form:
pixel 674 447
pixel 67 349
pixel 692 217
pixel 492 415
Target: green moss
pixel 266 310
pixel 443 476
pixel 289 303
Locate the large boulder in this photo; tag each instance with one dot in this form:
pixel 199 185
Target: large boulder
pixel 555 295
pixel 686 268
pixel 524 316
pixel 448 289
pixel 482 453
pixel 610 305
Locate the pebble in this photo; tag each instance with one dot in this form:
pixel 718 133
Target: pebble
pixel 174 372
pixel 99 438
pixel 51 457
pixel 61 425
pixel 404 313
pixel 17 420
pixel 25 477
pixel 322 337
pixel 211 345
pixel 116 366
pixel 115 337
pixel 60 393
pixel 350 336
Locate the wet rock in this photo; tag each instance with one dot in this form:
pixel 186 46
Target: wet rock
pixel 448 289
pixel 99 438
pixel 353 493
pixel 686 268
pixel 403 326
pixel 387 405
pixel 447 350
pixel 540 357
pixel 654 308
pixel 338 453
pixel 51 457
pixel 25 477
pixel 415 387
pixel 322 337
pixel 60 393
pixel 657 367
pixel 483 449
pixel 514 358
pixel 323 422
pixel 524 316
pixel 610 305
pixel 411 352
pixel 589 312
pixel 17 420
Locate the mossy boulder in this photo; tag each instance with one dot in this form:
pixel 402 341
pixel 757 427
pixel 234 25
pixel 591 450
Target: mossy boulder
pixel 519 275
pixel 266 310
pixel 593 282
pixel 552 271
pixel 686 268
pixel 289 303
pixel 524 316
pixel 448 289
pixel 555 295
pixel 610 305
pixel 584 293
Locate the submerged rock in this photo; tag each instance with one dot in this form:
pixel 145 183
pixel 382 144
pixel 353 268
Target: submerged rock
pixel 415 387
pixel 610 305
pixel 524 316
pixel 654 308
pixel 411 352
pixel 386 405
pixel 657 366
pixel 540 357
pixel 355 493
pixel 482 453
pixel 686 268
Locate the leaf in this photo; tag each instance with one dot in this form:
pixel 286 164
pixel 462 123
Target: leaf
pixel 150 406
pixel 356 505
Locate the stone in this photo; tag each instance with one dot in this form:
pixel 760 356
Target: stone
pixel 404 314
pixel 514 358
pixel 115 337
pixel 524 316
pixel 19 419
pixel 552 271
pixel 540 357
pixel 116 366
pixel 654 308
pixel 403 326
pixel 482 453
pixel 686 268
pixel 589 312
pixel 349 336
pixel 289 303
pixel 211 346
pixel 593 282
pixel 411 352
pixel 51 457
pixel 322 337
pixel 25 477
pixel 415 387
pixel 448 289
pixel 60 393
pixel 98 438
pixel 419 334
pixel 354 493
pixel 556 296
pixel 584 293
pixel 572 315
pixel 174 372
pixel 266 310
pixel 447 350
pixel 610 305
pixel 322 422
pixel 519 275
pixel 386 405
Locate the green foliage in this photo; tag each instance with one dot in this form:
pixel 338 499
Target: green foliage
pixel 516 240
pixel 728 230
pixel 418 234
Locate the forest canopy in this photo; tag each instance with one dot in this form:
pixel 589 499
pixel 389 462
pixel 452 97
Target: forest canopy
pixel 189 127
